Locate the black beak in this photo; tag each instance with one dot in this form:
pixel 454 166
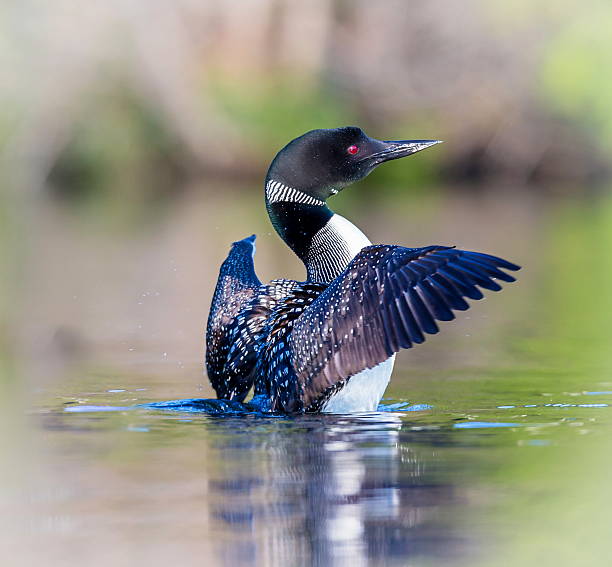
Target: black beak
pixel 395 149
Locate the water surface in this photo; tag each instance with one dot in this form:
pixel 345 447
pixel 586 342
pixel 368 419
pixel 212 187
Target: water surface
pixel 491 447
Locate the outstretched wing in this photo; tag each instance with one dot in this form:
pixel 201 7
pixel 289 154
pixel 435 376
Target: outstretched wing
pixel 386 300
pixel 236 287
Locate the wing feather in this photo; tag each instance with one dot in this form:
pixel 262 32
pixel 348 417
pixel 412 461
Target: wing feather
pixel 387 299
pixel 238 316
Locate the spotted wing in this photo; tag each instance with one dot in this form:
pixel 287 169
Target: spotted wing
pixel 236 287
pixel 387 299
pixel 246 335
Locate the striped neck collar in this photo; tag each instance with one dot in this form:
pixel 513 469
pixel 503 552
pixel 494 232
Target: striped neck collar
pixel 278 192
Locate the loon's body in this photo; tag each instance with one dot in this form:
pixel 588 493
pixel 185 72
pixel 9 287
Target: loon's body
pixel 329 343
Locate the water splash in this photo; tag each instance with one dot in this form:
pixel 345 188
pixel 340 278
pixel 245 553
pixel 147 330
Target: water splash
pixel 212 406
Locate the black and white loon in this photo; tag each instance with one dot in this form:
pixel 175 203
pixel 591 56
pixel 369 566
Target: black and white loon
pixel 328 344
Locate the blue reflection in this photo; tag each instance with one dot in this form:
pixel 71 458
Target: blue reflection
pixel 483 424
pixel 90 408
pixel 212 406
pixel 404 406
pixel 326 490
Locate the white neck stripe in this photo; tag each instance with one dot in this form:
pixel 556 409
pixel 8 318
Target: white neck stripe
pixel 277 192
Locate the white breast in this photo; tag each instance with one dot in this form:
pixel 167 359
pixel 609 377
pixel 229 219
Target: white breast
pixel 346 232
pixel 363 391
pixel 332 249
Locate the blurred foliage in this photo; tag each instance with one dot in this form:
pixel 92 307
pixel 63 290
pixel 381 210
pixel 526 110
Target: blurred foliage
pixel 574 81
pixel 273 112
pixel 108 109
pixel 122 151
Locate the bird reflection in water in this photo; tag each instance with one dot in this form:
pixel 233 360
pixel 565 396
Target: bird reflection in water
pixel 327 490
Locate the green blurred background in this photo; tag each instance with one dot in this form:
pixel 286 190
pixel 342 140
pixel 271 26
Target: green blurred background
pixel 141 96
pixel 135 136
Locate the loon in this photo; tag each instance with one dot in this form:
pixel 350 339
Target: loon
pixel 328 344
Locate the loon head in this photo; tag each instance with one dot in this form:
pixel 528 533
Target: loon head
pixel 322 162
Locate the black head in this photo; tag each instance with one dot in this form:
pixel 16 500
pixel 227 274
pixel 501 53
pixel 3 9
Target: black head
pixel 321 162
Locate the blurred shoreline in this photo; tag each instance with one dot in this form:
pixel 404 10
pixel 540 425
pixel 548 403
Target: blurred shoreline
pixel 150 94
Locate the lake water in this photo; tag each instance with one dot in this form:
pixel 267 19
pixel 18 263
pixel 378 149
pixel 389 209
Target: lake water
pixel 492 446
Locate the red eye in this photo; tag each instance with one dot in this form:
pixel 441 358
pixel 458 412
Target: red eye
pixel 352 150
